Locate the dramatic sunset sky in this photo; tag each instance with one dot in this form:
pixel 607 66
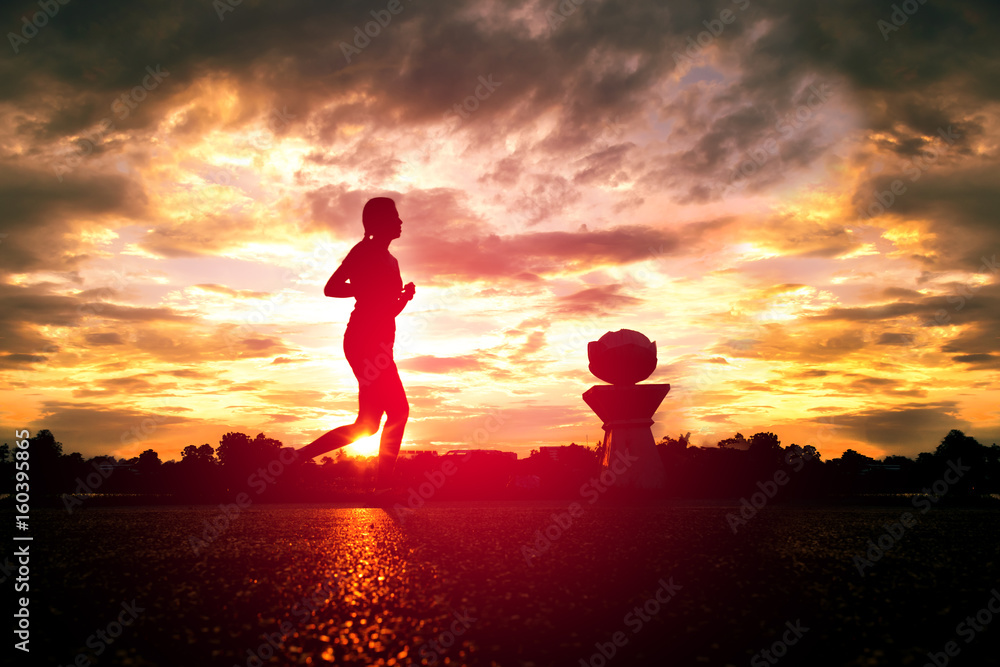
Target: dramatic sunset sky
pixel 163 249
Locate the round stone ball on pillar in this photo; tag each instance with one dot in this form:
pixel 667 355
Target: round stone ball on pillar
pixel 624 358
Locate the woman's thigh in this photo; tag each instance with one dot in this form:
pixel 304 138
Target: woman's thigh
pixel 368 356
pixel 380 388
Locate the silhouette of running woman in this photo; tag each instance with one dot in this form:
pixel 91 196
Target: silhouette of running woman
pixel 371 275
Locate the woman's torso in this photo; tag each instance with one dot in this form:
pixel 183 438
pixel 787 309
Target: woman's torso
pixel 374 275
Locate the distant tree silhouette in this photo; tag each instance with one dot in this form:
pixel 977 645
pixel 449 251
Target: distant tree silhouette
pixel 681 441
pixel 43 446
pixel 853 462
pixel 149 463
pixel 45 458
pixel 735 442
pixel 810 453
pixel 764 445
pixel 956 446
pixel 240 456
pixel 204 455
pixel 992 455
pixel 199 471
pixel 234 449
pixel 730 470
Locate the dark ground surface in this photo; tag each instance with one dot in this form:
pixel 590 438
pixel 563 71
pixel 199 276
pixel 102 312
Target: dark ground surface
pixel 386 586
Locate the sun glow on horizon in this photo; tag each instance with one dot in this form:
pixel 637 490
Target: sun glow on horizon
pixel 367 446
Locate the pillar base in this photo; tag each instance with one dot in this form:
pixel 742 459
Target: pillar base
pixel 629 450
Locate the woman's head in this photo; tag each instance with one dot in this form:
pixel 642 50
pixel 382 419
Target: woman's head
pixel 381 219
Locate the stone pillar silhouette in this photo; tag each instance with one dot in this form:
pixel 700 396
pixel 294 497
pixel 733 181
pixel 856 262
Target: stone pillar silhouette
pixel 625 358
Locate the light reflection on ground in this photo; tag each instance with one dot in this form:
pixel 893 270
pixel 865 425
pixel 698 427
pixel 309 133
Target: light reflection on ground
pixel 449 584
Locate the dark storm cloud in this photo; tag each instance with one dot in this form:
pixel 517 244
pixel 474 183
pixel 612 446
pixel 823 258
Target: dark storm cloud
pixel 602 62
pixel 20 360
pixel 912 427
pixel 543 197
pixel 974 307
pixel 601 300
pixel 901 293
pixel 960 203
pixel 291 52
pixel 981 360
pixel 936 72
pixel 92 429
pixel 943 45
pixel 153 333
pixel 872 384
pixel 425 213
pixel 949 308
pixel 37 305
pixel 976 344
pixel 125 386
pixel 895 338
pixel 506 172
pixel 603 166
pixel 39 212
pixel 442 239
pixel 976 310
pixel 368 155
pixel 28 308
pixel 876 313
pixel 190 373
pixel 108 338
pixel 540 253
pixel 811 373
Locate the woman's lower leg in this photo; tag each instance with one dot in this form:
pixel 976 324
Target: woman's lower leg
pixel 388 450
pixel 335 439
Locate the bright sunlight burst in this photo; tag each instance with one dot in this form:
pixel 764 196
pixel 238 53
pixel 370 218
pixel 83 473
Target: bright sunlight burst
pixel 367 446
